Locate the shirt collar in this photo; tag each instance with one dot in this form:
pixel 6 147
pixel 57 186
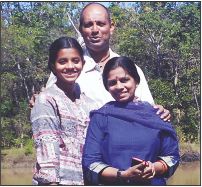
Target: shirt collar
pixel 90 64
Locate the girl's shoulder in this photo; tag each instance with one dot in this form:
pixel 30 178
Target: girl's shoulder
pixel 92 104
pixel 48 94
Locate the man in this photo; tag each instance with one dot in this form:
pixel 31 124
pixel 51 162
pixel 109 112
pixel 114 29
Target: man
pixel 96 28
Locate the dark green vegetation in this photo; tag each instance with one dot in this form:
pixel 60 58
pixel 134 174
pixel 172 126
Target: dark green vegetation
pixel 163 38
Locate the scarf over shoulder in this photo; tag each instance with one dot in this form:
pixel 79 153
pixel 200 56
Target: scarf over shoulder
pixel 140 112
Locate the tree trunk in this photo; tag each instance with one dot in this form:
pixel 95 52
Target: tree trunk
pixel 23 79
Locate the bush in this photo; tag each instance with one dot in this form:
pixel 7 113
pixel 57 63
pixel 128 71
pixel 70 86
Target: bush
pixel 29 147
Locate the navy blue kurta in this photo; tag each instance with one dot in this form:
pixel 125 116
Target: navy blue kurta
pixel 118 132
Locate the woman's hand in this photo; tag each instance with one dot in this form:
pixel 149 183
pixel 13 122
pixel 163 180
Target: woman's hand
pixel 165 114
pixel 134 172
pixel 140 172
pixel 149 171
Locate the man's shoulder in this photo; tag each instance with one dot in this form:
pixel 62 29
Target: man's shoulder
pixel 112 53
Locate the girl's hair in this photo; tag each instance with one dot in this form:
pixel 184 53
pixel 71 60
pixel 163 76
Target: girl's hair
pixel 61 43
pixel 126 63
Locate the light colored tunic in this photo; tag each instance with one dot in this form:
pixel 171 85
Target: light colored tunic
pixel 59 130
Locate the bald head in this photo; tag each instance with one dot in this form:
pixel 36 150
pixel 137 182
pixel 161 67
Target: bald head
pixel 96 27
pixel 90 6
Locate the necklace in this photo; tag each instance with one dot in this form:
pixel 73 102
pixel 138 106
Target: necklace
pixel 101 63
pixel 105 58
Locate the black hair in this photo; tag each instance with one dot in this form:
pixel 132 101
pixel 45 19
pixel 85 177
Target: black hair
pixel 126 63
pixel 61 43
pixel 93 3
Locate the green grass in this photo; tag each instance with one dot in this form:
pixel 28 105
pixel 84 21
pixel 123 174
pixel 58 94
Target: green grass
pixel 16 157
pixel 15 152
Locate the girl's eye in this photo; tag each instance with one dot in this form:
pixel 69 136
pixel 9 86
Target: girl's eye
pixel 76 60
pixel 61 61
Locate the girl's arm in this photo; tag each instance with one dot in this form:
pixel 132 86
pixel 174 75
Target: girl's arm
pixel 45 123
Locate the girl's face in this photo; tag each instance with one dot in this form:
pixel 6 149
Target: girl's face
pixel 68 65
pixel 121 85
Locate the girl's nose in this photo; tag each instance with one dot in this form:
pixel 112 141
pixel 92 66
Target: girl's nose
pixel 69 65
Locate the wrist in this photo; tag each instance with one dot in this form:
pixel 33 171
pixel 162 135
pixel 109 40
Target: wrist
pixel 122 176
pixel 160 167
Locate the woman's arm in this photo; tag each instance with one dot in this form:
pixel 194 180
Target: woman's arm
pixel 47 139
pixel 168 160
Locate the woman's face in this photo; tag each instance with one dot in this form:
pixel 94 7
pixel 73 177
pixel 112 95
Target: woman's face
pixel 121 85
pixel 68 65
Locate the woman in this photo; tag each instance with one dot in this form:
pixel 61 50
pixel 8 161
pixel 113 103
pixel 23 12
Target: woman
pixel 60 118
pixel 124 129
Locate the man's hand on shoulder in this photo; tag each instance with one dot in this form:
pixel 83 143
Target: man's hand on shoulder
pixel 164 113
pixel 33 98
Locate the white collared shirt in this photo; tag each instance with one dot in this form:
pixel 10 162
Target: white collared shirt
pixel 90 82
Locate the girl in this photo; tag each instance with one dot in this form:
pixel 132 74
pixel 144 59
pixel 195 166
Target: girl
pixel 60 117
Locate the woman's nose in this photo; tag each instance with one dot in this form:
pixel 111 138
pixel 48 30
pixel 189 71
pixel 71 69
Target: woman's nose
pixel 119 85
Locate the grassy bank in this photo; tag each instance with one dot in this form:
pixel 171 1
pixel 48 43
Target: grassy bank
pixel 21 157
pixel 17 158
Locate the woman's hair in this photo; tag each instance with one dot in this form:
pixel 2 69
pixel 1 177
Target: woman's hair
pixel 126 63
pixel 61 43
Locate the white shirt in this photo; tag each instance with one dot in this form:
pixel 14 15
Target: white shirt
pixel 90 81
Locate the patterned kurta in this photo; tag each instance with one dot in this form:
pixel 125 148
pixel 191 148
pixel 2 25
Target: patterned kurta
pixel 59 129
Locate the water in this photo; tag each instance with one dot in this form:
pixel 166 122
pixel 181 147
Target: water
pixel 16 176
pixel 186 174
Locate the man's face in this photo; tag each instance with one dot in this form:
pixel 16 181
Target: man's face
pixel 96 28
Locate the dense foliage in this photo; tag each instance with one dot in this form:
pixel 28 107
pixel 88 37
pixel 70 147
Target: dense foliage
pixel 163 38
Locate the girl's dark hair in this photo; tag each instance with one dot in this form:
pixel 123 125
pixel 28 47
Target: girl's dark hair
pixel 61 43
pixel 126 63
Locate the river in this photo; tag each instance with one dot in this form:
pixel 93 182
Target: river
pixel 186 174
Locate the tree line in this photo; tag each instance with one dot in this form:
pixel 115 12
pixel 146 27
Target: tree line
pixel 163 38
